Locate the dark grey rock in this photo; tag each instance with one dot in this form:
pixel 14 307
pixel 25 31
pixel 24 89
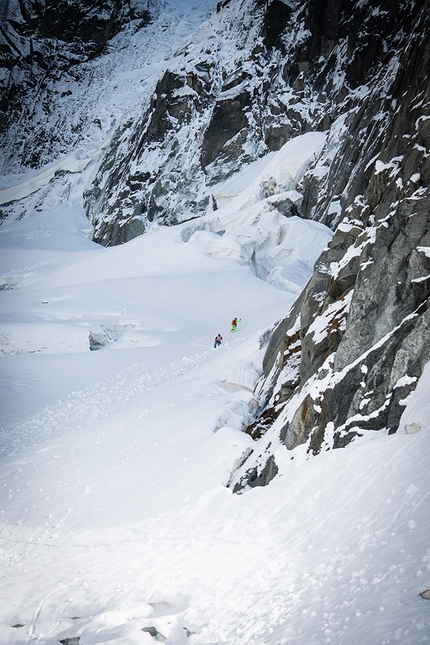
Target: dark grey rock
pixel 259 477
pixel 46 45
pixel 227 121
pixel 363 321
pixel 153 631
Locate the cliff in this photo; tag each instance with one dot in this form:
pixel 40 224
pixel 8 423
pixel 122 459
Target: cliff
pixel 345 359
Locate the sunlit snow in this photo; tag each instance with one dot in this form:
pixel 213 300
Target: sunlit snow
pixel 115 513
pixel 116 523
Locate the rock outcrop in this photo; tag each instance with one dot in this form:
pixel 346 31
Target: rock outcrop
pixel 354 345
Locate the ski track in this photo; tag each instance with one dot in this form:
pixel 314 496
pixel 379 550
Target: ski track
pixel 85 407
pixel 333 590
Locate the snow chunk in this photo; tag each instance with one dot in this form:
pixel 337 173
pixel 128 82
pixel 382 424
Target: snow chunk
pixel 405 380
pixel 425 250
pixel 417 411
pixel 393 166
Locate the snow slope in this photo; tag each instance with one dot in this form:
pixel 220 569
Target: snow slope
pixel 116 523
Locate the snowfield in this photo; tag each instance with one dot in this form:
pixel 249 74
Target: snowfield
pixel 116 523
pixel 122 426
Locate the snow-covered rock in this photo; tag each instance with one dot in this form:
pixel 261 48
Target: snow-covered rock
pixel 350 352
pixel 256 128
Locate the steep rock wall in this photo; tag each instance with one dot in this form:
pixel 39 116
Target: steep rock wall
pixel 224 104
pixel 353 347
pixel 46 49
pixel 265 72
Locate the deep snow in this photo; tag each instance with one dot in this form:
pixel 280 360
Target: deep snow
pixel 115 516
pixel 114 511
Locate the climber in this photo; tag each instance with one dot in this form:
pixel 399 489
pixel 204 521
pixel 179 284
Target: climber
pixel 218 340
pixel 234 323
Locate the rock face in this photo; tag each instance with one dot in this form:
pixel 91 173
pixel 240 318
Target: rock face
pixel 45 48
pixel 225 103
pixel 354 345
pixel 264 73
